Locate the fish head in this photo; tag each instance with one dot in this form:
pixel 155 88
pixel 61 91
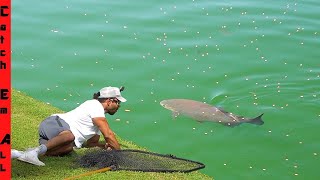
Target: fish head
pixel 168 104
pixel 165 104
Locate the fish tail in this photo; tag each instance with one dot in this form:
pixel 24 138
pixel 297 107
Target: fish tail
pixel 258 120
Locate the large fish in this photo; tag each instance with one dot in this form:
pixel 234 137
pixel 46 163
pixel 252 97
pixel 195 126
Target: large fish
pixel 205 112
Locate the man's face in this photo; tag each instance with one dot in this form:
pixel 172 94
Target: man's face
pixel 114 105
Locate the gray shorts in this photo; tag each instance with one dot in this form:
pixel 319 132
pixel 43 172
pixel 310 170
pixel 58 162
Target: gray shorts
pixel 51 127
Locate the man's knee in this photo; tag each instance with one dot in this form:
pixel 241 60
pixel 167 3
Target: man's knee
pixel 67 136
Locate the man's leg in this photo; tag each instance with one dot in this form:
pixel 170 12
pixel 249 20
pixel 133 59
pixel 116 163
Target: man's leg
pixel 61 144
pixel 61 150
pixel 55 137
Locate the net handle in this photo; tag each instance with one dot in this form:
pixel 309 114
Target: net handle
pixel 89 173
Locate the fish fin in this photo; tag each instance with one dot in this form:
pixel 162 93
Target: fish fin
pixel 258 120
pixel 175 114
pixel 222 110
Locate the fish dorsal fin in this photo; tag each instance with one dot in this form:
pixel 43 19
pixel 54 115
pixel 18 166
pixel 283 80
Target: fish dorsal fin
pixel 233 116
pixel 222 110
pixel 227 113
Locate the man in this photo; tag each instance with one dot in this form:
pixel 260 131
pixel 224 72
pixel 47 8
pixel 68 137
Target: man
pixel 80 127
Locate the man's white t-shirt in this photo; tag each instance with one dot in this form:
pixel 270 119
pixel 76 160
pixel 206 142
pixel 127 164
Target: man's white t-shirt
pixel 80 120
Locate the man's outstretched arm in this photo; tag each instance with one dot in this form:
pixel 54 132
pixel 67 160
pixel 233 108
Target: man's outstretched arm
pixel 108 135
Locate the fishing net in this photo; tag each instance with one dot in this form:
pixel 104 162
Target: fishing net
pixel 136 160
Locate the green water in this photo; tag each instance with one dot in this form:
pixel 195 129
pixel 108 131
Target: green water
pixel 249 57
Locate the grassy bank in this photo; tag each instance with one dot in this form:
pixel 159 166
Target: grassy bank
pixel 27 113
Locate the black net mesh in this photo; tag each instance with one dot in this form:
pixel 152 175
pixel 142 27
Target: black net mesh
pixel 136 160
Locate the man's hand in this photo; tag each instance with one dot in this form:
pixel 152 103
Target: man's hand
pixel 108 135
pixel 107 147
